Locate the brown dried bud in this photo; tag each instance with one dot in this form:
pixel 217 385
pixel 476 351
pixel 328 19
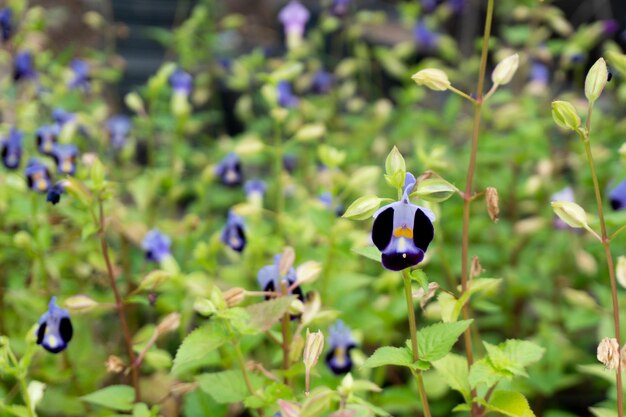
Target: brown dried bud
pixel 114 365
pixel 608 353
pixel 425 296
pixel 286 260
pixel 168 324
pixel 234 296
pixel 476 268
pixel 491 197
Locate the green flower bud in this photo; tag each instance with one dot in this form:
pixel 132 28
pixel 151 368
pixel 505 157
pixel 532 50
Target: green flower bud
pixel 571 213
pixel 597 78
pixel 564 115
pixel 504 71
pixel 433 78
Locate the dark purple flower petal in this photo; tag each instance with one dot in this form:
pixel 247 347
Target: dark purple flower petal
pixel 55 329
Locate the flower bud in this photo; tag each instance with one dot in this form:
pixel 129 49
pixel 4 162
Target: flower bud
pixel 362 208
pixel 204 307
pixel 564 115
pixel 286 260
pixel 168 324
pixel 234 296
pixel 432 78
pixel 114 365
pixel 134 102
pixel 597 78
pixel 436 190
pixel 395 162
pixel 620 271
pixel 80 303
pixel 312 350
pixel 571 213
pixel 425 296
pixel 476 268
pixel 491 198
pixel 504 71
pixel 289 408
pixel 308 272
pixel 608 353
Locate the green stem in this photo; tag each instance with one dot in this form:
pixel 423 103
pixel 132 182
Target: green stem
pixel 244 371
pixel 413 329
pixel 609 257
pixel 286 331
pixel 26 397
pixel 278 174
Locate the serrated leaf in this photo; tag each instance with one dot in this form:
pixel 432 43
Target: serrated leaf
pixel 114 397
pixel 500 361
pixel 435 341
pixel 227 386
pixel 456 373
pixel 389 355
pixel 510 403
pixel 370 252
pixel 514 355
pixel 198 344
pixel 483 373
pixel 264 315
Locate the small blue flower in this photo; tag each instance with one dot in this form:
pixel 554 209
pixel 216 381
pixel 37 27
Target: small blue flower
pixel 55 192
pixel 340 7
pixel 539 73
pixel 119 127
pixel 156 245
pixel 229 170
pixel 402 231
pixel 610 26
pixel 23 67
pixel 341 343
pixel 429 6
pixel 6 29
pixel 326 198
pixel 294 17
pixel 426 39
pixel 255 189
pixel 181 82
pixel 11 149
pixel 322 82
pixel 61 117
pixel 65 156
pixel 81 73
pixel 37 176
pixel 269 279
pixel 617 196
pixel 47 136
pixel 290 162
pixel 55 328
pixel 286 98
pixel 233 234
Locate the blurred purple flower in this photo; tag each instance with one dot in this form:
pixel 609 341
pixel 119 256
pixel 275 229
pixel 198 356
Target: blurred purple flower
pixel 294 17
pixel 341 343
pixel 181 82
pixel 456 5
pixel 23 68
pixel 46 137
pixel 82 78
pixel 326 198
pixel 6 29
pixel 156 245
pixel 322 82
pixel 255 189
pixel 55 192
pixel 340 7
pixel 229 170
pixel 233 234
pixel 37 176
pixel 610 26
pixel 429 6
pixel 617 196
pixel 286 98
pixel 54 330
pixel 11 149
pixel 566 194
pixel 65 156
pixel 539 73
pixel 290 162
pixel 402 231
pixel 269 279
pixel 61 117
pixel 425 38
pixel 118 127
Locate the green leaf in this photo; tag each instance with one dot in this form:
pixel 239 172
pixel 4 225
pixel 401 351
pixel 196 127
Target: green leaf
pixel 514 355
pixel 603 412
pixel 456 373
pixel 370 252
pixel 420 277
pixel 264 315
pixel 198 344
pixel 435 189
pixel 388 355
pixel 436 341
pixel 227 386
pixel 114 397
pixel 16 410
pixel 510 403
pixel 483 373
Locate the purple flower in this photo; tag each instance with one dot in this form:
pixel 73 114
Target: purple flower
pixel 294 17
pixel 47 136
pixel 119 127
pixel 61 117
pixel 425 38
pixel 539 73
pixel 255 189
pixel 617 196
pixel 341 343
pixel 402 231
pixel 55 328
pixel 23 68
pixel 55 192
pixel 326 198
pixel 65 156
pixel 6 30
pixel 229 170
pixel 233 234
pixel 340 7
pixel 82 78
pixel 286 98
pixel 11 149
pixel 269 279
pixel 322 82
pixel 456 5
pixel 156 245
pixel 290 162
pixel 181 82
pixel 610 26
pixel 429 6
pixel 37 176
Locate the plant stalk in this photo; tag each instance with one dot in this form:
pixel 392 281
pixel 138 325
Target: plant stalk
pixel 413 329
pixel 286 331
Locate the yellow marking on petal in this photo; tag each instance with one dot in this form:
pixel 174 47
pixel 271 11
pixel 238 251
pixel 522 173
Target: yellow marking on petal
pixel 340 356
pixel 52 341
pixel 47 145
pixel 403 232
pixel 67 166
pixel 231 175
pixel 42 185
